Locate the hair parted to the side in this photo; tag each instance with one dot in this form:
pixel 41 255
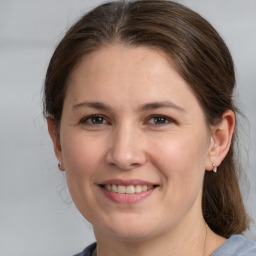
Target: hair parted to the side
pixel 201 58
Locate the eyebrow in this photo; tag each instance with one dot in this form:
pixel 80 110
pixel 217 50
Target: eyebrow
pixel 89 104
pixel 146 107
pixel 157 105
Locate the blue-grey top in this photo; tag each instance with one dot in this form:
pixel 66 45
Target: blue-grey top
pixel 236 245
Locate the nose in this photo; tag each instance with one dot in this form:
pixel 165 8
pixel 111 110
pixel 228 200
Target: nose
pixel 127 149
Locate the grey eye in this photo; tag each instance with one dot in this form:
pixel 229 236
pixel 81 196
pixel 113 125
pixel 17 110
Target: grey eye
pixel 158 120
pixel 97 120
pixel 94 119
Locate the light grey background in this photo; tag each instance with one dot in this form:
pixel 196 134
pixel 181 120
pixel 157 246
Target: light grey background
pixel 37 216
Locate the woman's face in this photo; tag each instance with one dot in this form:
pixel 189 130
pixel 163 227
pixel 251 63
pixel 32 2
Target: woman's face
pixel 134 144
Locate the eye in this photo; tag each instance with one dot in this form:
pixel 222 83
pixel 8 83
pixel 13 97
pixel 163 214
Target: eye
pixel 159 120
pixel 94 120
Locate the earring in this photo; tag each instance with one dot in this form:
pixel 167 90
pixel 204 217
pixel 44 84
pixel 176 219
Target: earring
pixel 60 166
pixel 214 168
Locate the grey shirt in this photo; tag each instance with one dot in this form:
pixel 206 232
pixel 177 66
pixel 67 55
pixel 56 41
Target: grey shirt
pixel 236 245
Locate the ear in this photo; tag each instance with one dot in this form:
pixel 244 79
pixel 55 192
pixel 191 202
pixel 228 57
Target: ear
pixel 221 140
pixel 55 138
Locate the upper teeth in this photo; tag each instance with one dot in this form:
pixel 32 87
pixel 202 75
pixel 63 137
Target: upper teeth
pixel 128 189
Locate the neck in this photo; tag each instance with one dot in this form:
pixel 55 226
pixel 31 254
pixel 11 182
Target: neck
pixel 188 238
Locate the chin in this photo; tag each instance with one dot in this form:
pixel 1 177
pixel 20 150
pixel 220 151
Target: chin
pixel 129 231
pixel 131 236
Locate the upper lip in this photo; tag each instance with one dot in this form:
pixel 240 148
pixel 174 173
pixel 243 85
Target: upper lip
pixel 127 182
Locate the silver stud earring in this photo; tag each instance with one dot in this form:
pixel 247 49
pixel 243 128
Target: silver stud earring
pixel 214 168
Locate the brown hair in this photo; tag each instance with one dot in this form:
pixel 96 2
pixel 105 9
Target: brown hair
pixel 201 58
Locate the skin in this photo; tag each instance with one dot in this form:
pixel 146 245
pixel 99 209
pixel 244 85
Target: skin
pixel 169 145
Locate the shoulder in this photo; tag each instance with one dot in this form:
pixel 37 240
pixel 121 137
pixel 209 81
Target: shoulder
pixel 87 251
pixel 236 245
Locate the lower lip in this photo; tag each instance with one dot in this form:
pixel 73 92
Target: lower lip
pixel 127 198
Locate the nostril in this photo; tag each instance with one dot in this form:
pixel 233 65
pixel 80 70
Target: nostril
pixel 126 162
pixel 124 152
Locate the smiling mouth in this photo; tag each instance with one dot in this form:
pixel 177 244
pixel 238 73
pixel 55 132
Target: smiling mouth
pixel 130 189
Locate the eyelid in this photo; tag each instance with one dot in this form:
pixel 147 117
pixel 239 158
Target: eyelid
pixel 86 118
pixel 106 121
pixel 169 119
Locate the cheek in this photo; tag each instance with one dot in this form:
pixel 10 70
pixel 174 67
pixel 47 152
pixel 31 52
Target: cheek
pixel 181 155
pixel 81 154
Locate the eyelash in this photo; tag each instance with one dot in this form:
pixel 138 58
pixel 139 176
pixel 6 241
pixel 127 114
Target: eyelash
pixel 89 120
pixel 163 120
pixel 167 120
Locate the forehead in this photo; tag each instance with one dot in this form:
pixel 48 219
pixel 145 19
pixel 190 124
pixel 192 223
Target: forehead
pixel 145 57
pixel 128 74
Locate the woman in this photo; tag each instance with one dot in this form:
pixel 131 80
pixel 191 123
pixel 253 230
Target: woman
pixel 138 98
